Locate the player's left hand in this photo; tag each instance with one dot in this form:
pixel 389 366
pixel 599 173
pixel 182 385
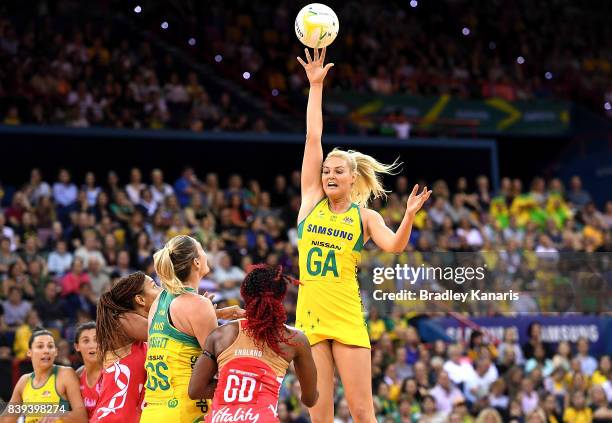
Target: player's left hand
pixel 416 201
pixel 230 313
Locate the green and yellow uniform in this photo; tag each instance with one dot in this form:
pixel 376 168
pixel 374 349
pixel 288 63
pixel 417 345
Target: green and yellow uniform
pixel 45 394
pixel 573 415
pixel 525 208
pixel 557 209
pixel 329 305
pixel 499 211
pixel 170 359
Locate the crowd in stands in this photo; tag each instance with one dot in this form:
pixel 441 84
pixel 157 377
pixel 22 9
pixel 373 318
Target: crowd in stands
pixel 92 73
pixel 81 75
pixel 64 242
pixel 513 50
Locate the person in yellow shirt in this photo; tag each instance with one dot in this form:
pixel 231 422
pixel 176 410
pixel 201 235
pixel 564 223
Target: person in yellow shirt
pixel 376 325
pixel 499 211
pixel 56 386
pixel 179 322
pixel 578 412
pixel 12 116
pixel 98 52
pixel 526 209
pixel 594 233
pixel 557 209
pixel 23 334
pixel 477 345
pixel 600 376
pixel 551 408
pixel 334 223
pixel 177 228
pixel 393 212
pixel 384 403
pixel 398 323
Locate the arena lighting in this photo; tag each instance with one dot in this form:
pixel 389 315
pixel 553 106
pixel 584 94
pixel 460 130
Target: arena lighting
pixel 607 106
pixel 465 31
pixel 246 75
pixel 138 9
pixel 414 3
pixel 274 92
pixel 520 60
pixel 218 58
pixel 164 25
pixel 192 42
pixel 548 75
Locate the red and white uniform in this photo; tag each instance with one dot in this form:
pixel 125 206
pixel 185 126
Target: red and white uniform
pixel 122 391
pixel 249 382
pixel 90 395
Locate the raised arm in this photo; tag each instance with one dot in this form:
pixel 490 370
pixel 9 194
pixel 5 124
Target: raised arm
pixel 311 187
pixel 305 370
pixel 385 238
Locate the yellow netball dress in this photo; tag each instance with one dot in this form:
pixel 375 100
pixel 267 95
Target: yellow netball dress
pixel 46 394
pixel 329 305
pixel 170 360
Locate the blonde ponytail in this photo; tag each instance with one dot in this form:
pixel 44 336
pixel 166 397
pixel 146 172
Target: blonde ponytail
pixel 173 263
pixel 368 182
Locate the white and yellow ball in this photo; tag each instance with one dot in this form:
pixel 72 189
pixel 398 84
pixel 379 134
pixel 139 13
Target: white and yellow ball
pixel 316 26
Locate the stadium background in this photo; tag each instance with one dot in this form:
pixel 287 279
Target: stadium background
pixel 139 117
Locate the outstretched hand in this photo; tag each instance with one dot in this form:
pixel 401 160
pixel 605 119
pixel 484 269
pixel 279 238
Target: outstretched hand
pixel 315 71
pixel 230 313
pixel 225 313
pixel 416 201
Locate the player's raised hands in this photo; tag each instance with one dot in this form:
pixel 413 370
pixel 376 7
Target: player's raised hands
pixel 315 69
pixel 416 201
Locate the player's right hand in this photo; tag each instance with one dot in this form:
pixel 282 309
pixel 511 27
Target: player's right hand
pixel 315 71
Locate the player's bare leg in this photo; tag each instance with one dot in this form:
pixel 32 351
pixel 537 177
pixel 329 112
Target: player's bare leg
pixel 323 411
pixel 354 365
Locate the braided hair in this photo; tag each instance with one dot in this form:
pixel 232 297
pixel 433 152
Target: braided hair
pixel 263 291
pixel 117 301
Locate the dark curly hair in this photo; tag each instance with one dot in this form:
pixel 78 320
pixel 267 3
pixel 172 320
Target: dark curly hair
pixel 263 291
